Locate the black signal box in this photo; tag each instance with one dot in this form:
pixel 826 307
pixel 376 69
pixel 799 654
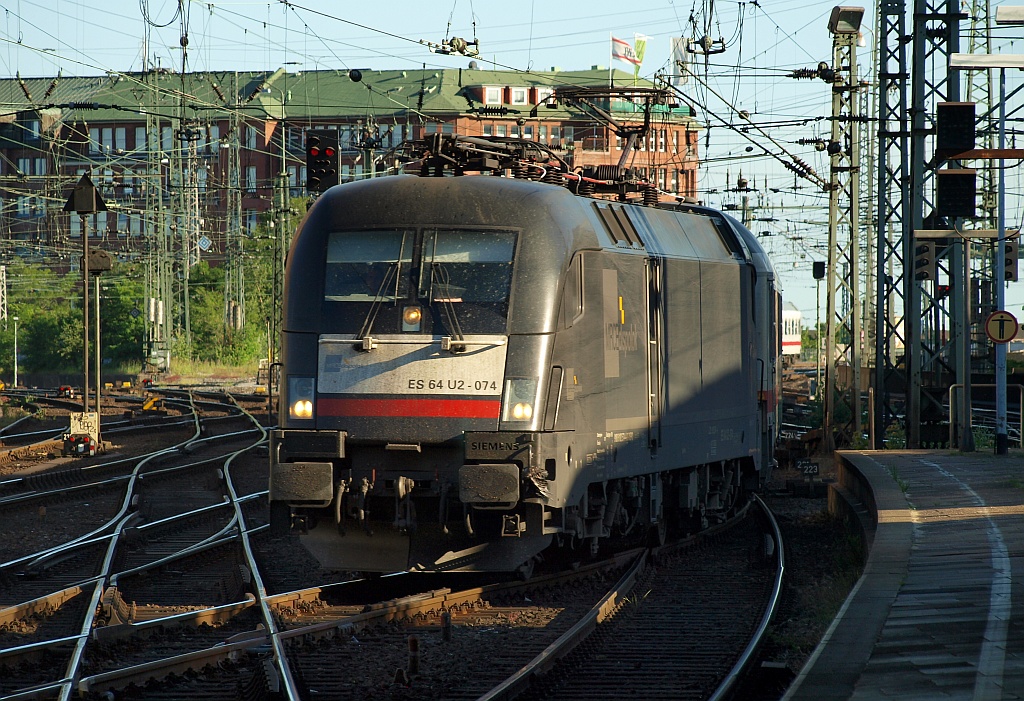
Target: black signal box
pixel 954 128
pixel 956 192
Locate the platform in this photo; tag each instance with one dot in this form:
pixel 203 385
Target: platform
pixel 938 611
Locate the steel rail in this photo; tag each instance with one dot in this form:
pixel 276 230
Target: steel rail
pixel 288 683
pixel 743 663
pixel 570 639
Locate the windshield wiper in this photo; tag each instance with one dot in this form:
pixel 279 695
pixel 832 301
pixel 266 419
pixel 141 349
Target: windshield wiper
pixel 440 275
pixel 378 298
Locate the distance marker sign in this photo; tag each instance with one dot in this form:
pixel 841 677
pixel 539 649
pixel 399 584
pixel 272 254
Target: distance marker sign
pixel 1001 326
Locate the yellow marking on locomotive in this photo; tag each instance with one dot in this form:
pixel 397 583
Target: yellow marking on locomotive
pixel 622 312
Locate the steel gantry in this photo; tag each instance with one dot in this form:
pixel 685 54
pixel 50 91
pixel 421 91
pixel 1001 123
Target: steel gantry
pixel 922 332
pixel 842 405
pixel 892 242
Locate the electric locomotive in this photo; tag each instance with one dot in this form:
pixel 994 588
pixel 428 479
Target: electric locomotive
pixel 479 368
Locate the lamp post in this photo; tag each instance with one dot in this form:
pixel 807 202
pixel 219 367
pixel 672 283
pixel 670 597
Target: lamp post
pixel 15 351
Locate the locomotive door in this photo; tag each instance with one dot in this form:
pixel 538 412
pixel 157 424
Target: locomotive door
pixel 655 362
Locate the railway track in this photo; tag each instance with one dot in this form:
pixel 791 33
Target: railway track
pixel 187 596
pixel 497 641
pixel 57 596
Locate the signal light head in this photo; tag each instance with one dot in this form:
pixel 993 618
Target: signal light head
pixel 329 151
pixel 314 151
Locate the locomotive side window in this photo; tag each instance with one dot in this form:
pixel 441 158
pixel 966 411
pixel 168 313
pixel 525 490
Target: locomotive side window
pixel 572 294
pixel 367 265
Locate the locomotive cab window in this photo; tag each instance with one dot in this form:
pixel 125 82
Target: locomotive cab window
pixel 363 266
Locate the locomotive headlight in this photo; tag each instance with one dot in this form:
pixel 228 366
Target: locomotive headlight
pixel 411 318
pixel 522 411
pixel 300 397
pixel 520 399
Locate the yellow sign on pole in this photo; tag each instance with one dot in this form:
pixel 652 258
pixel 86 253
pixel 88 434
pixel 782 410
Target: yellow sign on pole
pixel 1001 326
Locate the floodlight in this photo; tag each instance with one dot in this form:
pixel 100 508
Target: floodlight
pixel 845 19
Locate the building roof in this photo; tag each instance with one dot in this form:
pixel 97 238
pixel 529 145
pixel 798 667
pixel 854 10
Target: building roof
pixel 306 95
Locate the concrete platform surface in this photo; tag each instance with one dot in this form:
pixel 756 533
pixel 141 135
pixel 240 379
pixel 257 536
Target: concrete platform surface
pixel 939 610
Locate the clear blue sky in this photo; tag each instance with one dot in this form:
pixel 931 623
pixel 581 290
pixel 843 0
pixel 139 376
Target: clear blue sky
pixel 763 43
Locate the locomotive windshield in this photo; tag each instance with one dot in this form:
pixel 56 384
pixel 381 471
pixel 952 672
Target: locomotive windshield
pixel 461 277
pixel 466 266
pixel 364 265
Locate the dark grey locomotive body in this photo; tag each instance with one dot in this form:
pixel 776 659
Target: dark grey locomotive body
pixel 476 368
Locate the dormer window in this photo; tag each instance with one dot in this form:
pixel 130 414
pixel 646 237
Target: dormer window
pixel 492 96
pixel 519 96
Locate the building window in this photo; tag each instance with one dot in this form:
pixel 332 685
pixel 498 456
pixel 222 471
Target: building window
pixel 140 139
pixel 120 139
pixel 555 136
pixel 25 166
pixel 135 224
pixel 499 130
pixel 543 94
pixel 519 96
pixel 24 205
pixel 492 96
pixel 542 134
pixel 359 172
pixel 214 135
pixel 661 140
pixel 201 177
pixel 250 138
pixel 33 127
pixel 567 134
pixel 94 140
pixel 345 174
pixel 107 139
pixel 122 224
pixel 488 130
pixel 166 139
pixel 250 180
pixel 515 131
pixel 448 128
pixel 528 133
pixel 675 141
pixel 251 219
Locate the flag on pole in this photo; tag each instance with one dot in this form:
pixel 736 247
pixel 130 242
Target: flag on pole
pixel 680 61
pixel 622 51
pixel 639 49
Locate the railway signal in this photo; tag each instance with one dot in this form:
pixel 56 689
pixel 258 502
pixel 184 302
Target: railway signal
pixel 322 159
pixel 1010 249
pixel 924 260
